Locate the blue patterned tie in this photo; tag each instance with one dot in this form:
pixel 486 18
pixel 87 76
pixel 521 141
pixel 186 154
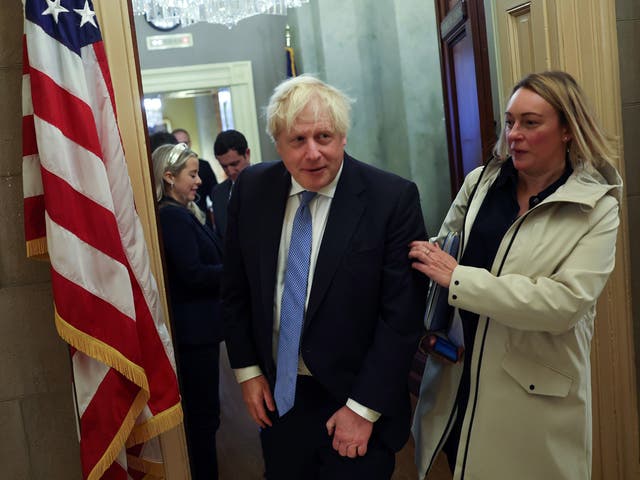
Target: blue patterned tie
pixel 292 307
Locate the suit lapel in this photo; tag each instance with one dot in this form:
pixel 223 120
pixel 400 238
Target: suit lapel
pixel 346 209
pixel 272 209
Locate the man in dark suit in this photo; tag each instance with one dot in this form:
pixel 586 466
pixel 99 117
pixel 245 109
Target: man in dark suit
pixel 233 155
pixel 346 410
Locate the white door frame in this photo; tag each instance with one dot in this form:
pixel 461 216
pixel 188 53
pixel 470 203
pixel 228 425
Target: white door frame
pixel 237 76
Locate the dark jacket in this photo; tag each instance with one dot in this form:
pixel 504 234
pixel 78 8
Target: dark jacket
pixel 193 258
pixel 220 199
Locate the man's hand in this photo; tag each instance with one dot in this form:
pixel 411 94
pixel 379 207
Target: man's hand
pixel 256 394
pixel 350 432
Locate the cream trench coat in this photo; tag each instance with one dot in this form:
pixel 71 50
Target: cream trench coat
pixel 529 410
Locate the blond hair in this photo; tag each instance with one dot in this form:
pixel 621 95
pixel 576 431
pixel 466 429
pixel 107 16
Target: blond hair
pixel 172 159
pixel 589 144
pixel 295 94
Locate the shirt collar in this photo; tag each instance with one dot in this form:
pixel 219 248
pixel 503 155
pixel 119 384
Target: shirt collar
pixel 509 174
pixel 328 190
pixel 568 170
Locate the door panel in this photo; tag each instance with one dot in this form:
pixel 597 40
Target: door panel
pixel 525 41
pixel 467 102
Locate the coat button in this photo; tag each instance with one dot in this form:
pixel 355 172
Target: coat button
pixel 532 387
pixel 454 296
pixel 456 282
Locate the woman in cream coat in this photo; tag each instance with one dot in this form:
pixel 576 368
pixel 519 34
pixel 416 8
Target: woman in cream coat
pixel 538 244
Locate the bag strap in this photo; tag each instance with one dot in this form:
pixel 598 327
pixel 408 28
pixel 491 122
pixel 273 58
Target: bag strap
pixel 473 193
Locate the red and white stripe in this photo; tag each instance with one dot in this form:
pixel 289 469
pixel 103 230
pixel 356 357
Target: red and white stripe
pixel 78 194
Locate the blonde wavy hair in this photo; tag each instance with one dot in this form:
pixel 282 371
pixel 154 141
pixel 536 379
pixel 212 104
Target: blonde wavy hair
pixel 295 94
pixel 172 159
pixel 589 144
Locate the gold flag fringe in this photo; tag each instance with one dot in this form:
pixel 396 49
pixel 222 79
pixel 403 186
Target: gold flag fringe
pixel 119 439
pixel 37 249
pixel 159 423
pixel 101 351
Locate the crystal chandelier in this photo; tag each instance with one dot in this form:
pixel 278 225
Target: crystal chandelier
pixel 225 12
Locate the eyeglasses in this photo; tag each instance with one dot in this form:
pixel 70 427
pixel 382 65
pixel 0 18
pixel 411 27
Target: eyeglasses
pixel 175 153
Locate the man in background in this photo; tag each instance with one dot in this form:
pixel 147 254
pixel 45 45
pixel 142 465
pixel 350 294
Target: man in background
pixel 233 154
pixel 205 172
pixel 161 138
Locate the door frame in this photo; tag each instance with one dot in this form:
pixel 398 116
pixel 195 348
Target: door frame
pixel 238 76
pixel 465 14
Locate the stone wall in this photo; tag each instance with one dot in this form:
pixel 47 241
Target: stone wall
pixel 38 439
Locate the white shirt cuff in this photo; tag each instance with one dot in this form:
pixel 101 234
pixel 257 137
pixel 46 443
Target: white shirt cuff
pixel 363 411
pixel 247 373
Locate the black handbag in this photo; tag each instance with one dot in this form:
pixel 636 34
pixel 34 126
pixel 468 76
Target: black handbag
pixel 439 314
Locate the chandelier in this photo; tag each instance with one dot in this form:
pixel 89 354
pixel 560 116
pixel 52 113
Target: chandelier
pixel 225 12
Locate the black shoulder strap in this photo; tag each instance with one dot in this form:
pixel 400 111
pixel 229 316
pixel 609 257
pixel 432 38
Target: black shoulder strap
pixel 473 193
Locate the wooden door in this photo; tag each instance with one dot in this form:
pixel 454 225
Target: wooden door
pixel 524 45
pixel 579 36
pixel 466 85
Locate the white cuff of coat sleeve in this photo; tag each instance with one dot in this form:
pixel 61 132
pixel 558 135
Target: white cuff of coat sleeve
pixel 247 373
pixel 363 411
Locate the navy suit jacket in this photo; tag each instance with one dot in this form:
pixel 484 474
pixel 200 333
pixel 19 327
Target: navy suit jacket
pixel 220 198
pixel 193 256
pixel 366 303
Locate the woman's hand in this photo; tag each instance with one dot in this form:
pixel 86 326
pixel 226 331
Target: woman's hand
pixel 432 261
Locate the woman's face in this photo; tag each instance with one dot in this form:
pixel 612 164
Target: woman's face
pixel 537 140
pixel 186 183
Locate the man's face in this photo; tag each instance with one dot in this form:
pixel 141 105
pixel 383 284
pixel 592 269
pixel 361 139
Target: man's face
pixel 312 151
pixel 233 163
pixel 183 137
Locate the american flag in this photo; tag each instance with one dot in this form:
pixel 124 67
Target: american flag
pixel 79 210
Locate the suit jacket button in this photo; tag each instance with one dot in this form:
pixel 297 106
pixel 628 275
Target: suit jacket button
pixel 532 387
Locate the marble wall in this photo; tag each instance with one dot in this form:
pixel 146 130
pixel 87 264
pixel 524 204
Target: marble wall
pixel 386 58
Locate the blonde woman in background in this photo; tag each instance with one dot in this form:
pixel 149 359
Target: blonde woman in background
pixel 193 258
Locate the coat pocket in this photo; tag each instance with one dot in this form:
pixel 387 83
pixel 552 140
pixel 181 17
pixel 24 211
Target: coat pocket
pixel 536 378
